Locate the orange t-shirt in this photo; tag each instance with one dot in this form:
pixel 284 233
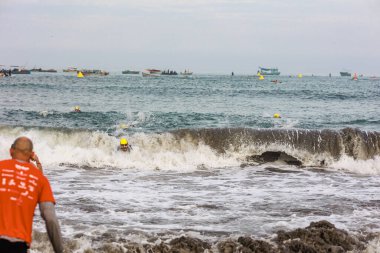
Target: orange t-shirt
pixel 22 186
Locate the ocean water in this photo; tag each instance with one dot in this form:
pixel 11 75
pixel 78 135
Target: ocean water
pixel 199 164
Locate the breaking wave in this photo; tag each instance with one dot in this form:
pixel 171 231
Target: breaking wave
pixel 310 147
pixel 188 149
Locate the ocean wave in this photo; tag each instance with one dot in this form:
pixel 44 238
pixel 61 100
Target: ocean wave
pixel 327 143
pixel 189 149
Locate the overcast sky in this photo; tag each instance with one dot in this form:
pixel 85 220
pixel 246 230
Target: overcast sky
pixel 206 36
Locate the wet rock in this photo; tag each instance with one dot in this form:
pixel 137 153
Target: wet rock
pixel 228 246
pixel 335 249
pixel 134 248
pixel 318 237
pixel 111 248
pixel 161 248
pixel 272 156
pixel 188 245
pixel 79 235
pixel 255 246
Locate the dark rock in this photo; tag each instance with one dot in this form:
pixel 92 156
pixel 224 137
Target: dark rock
pixel 298 246
pixel 318 237
pixel 256 246
pixel 161 248
pixel 188 245
pixel 272 156
pixel 228 246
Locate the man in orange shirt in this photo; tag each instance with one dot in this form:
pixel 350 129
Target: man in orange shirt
pixel 22 186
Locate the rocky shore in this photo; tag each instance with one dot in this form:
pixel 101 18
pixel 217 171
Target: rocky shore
pixel 321 236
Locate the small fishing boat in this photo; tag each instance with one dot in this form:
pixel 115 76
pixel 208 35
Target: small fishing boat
pixel 130 72
pixel 151 73
pixel 88 72
pixel 268 71
pixel 5 72
pixel 169 72
pixel 186 73
pixel 345 73
pixel 44 70
pixel 19 70
pixel 70 69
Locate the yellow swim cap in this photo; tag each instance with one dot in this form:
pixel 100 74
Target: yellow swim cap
pixel 123 141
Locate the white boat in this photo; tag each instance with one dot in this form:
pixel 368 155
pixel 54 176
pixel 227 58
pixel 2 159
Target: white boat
pixel 186 73
pixel 268 71
pixel 151 72
pixel 70 69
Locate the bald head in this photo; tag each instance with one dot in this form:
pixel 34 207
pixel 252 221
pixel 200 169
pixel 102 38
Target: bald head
pixel 22 148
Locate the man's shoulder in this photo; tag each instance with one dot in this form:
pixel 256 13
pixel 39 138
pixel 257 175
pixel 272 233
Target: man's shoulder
pixel 24 166
pixel 7 162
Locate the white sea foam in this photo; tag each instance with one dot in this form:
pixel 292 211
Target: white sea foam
pixel 160 151
pixel 44 113
pixel 97 149
pixel 373 246
pixel 368 167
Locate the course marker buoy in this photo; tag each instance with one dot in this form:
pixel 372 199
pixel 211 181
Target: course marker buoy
pixel 276 115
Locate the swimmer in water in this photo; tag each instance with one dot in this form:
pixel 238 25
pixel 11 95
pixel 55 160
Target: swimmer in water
pixel 124 146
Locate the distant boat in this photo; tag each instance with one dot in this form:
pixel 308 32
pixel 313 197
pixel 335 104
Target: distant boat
pixel 88 72
pixel 131 72
pixel 5 72
pixel 70 69
pixel 44 70
pixel 169 72
pixel 186 73
pixel 151 72
pixel 268 71
pixel 345 73
pixel 19 70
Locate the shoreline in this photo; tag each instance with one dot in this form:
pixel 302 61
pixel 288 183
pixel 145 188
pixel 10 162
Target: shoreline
pixel 320 236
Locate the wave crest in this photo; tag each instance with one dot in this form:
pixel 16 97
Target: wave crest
pixel 186 149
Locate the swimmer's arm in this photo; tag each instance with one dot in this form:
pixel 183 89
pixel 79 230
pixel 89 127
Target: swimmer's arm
pixel 47 210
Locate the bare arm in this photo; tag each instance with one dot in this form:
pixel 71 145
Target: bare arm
pixel 35 158
pixel 47 210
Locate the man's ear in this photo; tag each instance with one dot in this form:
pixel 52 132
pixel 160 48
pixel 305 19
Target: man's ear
pixel 11 151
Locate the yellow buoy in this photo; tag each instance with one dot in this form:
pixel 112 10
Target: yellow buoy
pixel 276 115
pixel 261 77
pixel 299 75
pixel 80 74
